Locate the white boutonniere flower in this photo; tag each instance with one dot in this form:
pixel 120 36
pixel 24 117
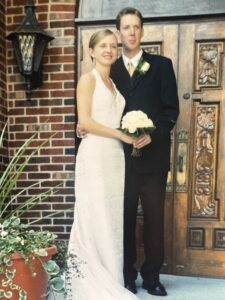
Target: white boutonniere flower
pixel 143 66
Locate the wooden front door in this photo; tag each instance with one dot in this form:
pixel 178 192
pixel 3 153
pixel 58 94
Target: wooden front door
pixel 199 199
pixel 195 200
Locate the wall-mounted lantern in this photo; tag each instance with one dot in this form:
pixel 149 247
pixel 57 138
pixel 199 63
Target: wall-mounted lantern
pixel 29 43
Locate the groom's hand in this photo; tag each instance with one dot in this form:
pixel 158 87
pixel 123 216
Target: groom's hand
pixel 142 141
pixel 81 133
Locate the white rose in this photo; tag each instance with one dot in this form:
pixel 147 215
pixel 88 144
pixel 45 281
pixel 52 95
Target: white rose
pixel 150 123
pixel 136 119
pixel 132 129
pixel 145 67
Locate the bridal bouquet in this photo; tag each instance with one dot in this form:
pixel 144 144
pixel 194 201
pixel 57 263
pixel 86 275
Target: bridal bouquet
pixel 135 123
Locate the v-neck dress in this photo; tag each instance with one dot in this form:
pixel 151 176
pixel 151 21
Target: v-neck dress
pixel 96 241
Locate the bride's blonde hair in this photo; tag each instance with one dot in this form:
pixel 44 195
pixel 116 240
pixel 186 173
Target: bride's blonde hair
pixel 98 36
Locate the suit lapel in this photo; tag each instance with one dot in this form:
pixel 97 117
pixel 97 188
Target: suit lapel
pixel 124 76
pixel 137 76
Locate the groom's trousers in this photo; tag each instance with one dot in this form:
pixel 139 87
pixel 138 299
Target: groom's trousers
pixel 150 188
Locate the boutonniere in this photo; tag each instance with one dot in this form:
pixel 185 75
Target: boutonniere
pixel 143 66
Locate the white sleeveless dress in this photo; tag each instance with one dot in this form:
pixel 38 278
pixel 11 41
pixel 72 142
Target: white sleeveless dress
pixel 96 241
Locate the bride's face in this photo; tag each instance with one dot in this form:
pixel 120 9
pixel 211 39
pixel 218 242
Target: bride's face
pixel 105 51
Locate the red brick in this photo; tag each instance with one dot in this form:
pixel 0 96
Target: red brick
pixel 62 16
pixel 52 168
pixel 55 51
pixel 46 135
pixel 62 59
pixel 35 144
pixel 43 1
pixel 69 94
pixel 60 7
pixel 14 10
pixel 68 68
pixel 65 159
pixel 43 17
pixel 23 135
pixel 16 21
pixel 51 119
pixel 51 151
pixel 40 94
pixel 54 228
pixel 62 110
pixel 15 128
pixel 62 143
pixel 38 175
pixel 62 76
pixel 18 2
pixel 68 85
pixel 64 127
pixel 53 86
pixel 41 8
pixel 37 111
pixel 27 119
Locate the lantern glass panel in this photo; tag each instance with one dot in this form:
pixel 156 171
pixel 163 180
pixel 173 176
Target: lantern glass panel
pixel 27 43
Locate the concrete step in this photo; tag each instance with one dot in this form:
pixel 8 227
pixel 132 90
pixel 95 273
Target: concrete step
pixel 187 288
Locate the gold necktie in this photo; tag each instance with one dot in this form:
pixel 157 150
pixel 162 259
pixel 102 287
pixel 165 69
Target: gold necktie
pixel 130 68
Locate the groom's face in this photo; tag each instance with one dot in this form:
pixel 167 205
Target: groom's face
pixel 130 33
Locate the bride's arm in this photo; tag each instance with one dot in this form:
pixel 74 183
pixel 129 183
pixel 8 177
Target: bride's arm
pixel 85 90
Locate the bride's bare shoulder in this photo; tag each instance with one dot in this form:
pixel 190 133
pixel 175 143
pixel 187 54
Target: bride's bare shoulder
pixel 87 77
pixel 87 81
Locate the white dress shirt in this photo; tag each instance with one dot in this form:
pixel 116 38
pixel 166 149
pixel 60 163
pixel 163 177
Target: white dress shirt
pixel 134 60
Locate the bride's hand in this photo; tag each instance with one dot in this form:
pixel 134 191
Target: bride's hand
pixel 127 139
pixel 142 141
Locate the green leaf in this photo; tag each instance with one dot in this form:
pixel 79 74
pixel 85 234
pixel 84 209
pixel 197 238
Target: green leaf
pixel 57 284
pixel 2 134
pixel 51 267
pixel 19 238
pixel 15 221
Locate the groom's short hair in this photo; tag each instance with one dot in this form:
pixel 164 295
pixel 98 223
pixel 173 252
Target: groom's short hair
pixel 128 11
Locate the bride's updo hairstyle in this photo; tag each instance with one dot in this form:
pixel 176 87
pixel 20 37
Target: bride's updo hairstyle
pixel 98 36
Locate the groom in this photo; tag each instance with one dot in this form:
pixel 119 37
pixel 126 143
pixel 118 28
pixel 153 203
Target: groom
pixel 151 88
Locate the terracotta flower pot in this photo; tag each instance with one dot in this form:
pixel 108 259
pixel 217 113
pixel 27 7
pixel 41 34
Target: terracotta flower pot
pixel 35 286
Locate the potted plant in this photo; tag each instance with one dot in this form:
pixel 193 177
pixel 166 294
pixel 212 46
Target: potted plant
pixel 26 268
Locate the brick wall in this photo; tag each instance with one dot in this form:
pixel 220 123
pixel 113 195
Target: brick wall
pixel 52 110
pixel 3 111
pixel 2 62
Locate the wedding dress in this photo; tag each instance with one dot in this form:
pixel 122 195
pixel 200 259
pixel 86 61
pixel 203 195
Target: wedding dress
pixel 96 241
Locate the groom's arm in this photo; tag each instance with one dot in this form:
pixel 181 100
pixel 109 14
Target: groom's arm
pixel 170 104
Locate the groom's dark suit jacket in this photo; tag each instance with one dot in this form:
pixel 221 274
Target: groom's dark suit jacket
pixel 155 93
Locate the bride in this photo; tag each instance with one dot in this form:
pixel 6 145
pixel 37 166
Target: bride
pixel 96 240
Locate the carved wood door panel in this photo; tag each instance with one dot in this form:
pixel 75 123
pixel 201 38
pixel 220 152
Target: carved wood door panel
pixel 199 203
